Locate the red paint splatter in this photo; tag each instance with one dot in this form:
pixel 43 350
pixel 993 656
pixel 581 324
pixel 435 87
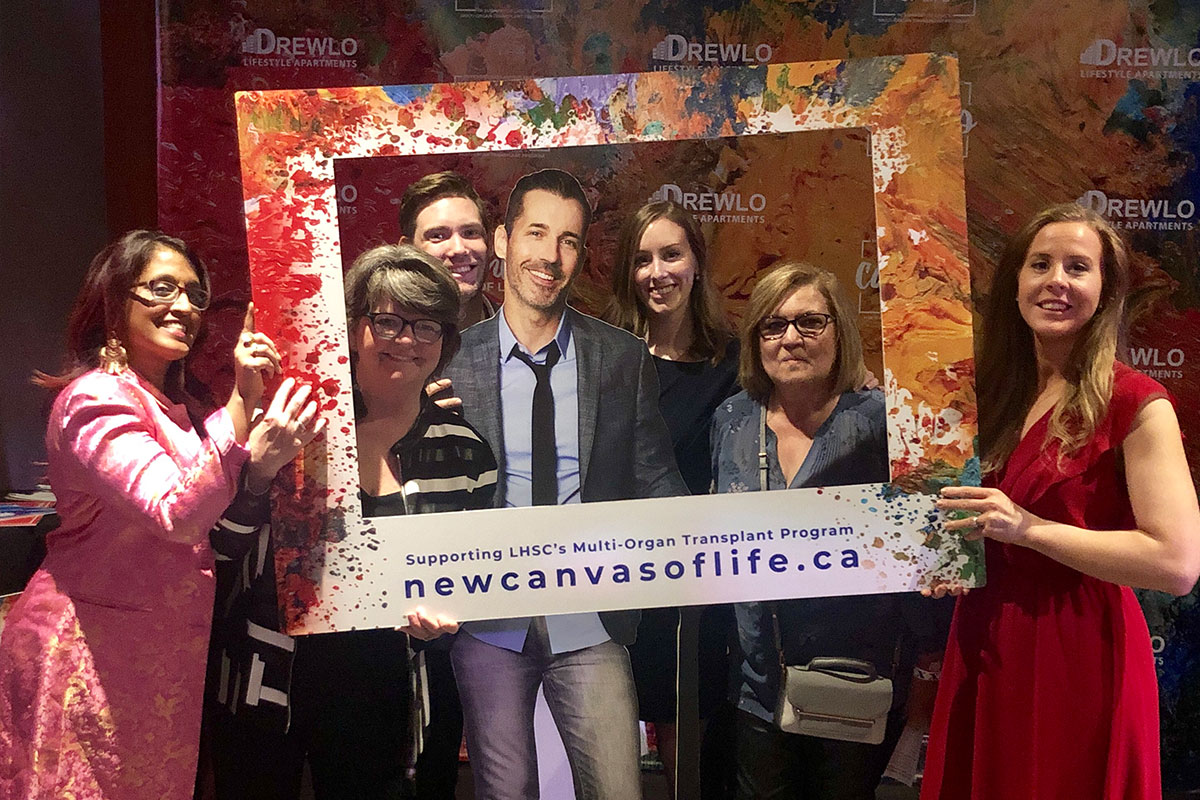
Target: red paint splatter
pixel 491 134
pixel 514 139
pixel 300 594
pixel 453 103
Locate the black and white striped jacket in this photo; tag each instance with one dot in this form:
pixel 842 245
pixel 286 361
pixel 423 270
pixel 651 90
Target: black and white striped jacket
pixel 446 466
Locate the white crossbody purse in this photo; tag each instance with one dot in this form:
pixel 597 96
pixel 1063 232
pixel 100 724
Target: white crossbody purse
pixel 831 698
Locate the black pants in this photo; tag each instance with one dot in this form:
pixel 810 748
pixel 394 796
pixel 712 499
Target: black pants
pixel 772 765
pixel 350 712
pixel 718 754
pixel 437 767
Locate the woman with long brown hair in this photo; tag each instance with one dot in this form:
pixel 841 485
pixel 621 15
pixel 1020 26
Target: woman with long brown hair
pixel 663 292
pixel 102 657
pixel 1048 688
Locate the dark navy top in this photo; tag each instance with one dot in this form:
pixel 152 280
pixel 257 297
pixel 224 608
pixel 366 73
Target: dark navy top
pixel 688 391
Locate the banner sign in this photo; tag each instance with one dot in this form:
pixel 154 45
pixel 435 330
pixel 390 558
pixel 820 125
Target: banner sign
pixel 341 570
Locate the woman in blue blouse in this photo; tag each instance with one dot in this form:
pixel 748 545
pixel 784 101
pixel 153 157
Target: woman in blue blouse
pixel 802 366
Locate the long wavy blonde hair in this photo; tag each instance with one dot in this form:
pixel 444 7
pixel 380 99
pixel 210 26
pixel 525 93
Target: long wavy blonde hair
pixel 1007 371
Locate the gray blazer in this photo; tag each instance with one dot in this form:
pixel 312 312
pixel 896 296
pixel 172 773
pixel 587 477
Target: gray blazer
pixel 624 446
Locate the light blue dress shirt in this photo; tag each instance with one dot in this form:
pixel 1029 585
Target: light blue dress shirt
pixel 567 632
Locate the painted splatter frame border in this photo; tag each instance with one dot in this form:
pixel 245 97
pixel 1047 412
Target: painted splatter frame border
pixel 338 571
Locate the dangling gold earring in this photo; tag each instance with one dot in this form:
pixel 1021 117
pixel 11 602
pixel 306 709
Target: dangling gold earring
pixel 113 359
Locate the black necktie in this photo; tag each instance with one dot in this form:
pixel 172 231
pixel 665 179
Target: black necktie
pixel 545 454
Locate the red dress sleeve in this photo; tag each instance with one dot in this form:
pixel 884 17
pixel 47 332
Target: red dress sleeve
pixel 1132 390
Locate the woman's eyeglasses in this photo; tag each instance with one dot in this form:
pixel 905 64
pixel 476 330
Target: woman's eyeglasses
pixel 391 326
pixel 164 292
pixel 808 325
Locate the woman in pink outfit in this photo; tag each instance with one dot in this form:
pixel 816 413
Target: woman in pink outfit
pixel 102 657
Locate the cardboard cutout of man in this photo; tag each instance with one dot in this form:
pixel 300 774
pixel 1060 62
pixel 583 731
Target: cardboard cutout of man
pixel 443 215
pixel 618 448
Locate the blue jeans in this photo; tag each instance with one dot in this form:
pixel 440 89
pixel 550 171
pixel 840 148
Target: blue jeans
pixel 591 697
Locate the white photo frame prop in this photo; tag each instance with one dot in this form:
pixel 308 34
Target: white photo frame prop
pixel 338 570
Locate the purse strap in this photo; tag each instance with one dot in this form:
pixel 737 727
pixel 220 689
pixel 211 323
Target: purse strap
pixel 845 667
pixel 855 670
pixel 764 468
pixel 764 471
pixel 773 607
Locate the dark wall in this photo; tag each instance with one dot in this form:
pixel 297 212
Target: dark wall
pixel 52 194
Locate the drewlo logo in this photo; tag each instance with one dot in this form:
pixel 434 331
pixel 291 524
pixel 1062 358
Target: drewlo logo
pixel 711 202
pixel 264 42
pixel 707 206
pixel 1107 53
pixel 1140 213
pixel 682 51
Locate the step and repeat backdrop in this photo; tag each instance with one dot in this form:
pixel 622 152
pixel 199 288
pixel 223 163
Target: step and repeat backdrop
pixel 1095 102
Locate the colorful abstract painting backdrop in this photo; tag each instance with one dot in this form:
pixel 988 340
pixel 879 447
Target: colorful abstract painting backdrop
pixel 1095 102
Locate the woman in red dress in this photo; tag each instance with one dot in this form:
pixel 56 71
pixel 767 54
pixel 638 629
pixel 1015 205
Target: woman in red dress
pixel 1048 690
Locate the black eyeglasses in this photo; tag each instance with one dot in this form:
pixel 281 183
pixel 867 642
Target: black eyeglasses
pixel 164 292
pixel 809 325
pixel 391 326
